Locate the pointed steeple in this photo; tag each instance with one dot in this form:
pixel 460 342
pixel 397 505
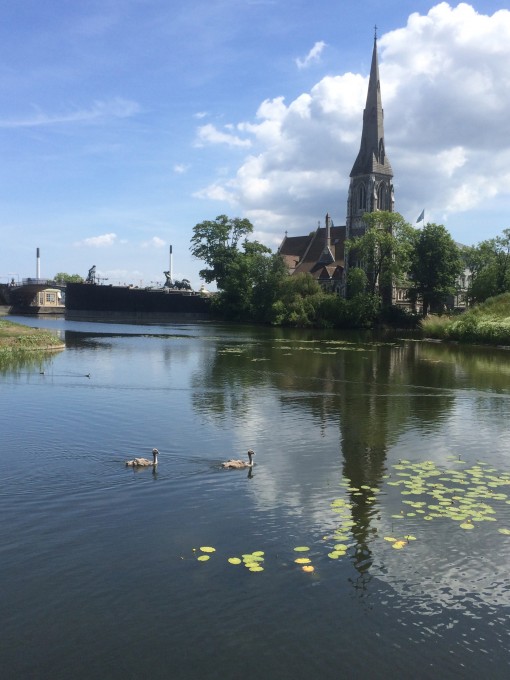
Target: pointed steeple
pixel 371 184
pixel 372 155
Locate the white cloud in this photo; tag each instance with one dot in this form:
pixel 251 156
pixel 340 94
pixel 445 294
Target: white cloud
pixel 154 242
pixel 208 134
pixel 313 55
pixel 99 110
pixel 180 168
pixel 98 241
pixel 446 94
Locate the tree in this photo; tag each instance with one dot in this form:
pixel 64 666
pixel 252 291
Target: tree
pixel 215 242
pixel 489 263
pixel 383 251
pixel 247 274
pixel 62 277
pixel 357 282
pixel 435 267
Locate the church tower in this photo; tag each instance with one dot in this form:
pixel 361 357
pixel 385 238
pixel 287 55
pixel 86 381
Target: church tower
pixel 371 185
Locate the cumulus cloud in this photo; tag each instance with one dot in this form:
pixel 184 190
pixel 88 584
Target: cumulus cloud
pixel 180 168
pixel 313 55
pixel 209 134
pixel 446 94
pixel 98 241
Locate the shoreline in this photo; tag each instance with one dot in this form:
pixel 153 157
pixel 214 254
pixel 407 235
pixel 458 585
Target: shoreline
pixel 17 338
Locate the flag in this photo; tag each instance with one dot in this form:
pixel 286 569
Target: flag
pixel 421 217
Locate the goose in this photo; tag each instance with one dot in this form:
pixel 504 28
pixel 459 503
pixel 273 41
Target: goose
pixel 239 464
pixel 143 462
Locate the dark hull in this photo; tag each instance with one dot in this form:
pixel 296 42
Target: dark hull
pixel 118 303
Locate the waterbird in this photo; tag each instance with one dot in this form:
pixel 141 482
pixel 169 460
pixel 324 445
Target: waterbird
pixel 144 462
pixel 239 464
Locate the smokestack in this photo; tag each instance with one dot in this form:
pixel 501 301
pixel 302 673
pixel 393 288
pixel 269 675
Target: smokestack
pixel 38 265
pixel 171 273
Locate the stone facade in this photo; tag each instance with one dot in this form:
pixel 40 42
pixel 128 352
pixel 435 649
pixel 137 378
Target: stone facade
pixel 322 252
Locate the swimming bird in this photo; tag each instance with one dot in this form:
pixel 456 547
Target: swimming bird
pixel 239 464
pixel 143 462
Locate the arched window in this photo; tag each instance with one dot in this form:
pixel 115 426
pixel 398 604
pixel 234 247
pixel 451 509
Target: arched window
pixel 381 197
pixel 361 197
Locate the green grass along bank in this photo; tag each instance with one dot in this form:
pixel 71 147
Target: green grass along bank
pixel 488 323
pixel 15 338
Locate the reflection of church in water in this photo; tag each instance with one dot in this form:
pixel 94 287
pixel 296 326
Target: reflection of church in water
pixel 322 253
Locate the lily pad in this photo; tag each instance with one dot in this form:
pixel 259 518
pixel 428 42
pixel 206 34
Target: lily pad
pixel 208 549
pixel 467 525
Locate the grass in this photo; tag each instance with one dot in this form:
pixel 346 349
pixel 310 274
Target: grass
pixel 487 323
pixel 17 338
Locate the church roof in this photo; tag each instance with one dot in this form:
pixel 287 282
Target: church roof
pixel 372 156
pixel 311 254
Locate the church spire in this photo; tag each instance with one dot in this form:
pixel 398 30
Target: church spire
pixel 371 185
pixel 372 156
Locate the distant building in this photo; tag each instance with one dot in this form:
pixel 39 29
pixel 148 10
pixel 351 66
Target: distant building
pixel 322 252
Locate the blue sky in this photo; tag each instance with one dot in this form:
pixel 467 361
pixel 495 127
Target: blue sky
pixel 123 123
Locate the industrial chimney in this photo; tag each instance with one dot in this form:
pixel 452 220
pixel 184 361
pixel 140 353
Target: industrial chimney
pixel 38 265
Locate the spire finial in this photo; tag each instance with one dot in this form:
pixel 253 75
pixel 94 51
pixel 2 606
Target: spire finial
pixel 375 32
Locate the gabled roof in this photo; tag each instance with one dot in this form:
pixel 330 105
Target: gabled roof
pixel 311 254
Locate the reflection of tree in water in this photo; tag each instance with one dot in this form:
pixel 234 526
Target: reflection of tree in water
pixel 370 391
pixel 22 363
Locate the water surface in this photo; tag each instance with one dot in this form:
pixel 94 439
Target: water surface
pixel 99 561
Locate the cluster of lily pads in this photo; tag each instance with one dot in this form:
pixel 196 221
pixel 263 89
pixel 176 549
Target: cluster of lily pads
pixel 463 493
pixel 254 561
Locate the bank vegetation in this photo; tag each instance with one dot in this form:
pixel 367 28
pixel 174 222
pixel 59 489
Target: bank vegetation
pixel 17 339
pixel 487 323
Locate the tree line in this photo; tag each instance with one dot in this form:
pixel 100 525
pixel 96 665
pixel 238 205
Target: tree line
pixel 253 283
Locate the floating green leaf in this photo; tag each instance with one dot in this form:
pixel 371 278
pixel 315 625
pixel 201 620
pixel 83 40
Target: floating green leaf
pixel 203 558
pixel 234 560
pixel 208 549
pixel 301 548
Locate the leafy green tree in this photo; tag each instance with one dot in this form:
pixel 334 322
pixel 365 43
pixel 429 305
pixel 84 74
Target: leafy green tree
pixel 489 263
pixel 383 251
pixel 216 243
pixel 62 277
pixel 247 274
pixel 357 282
pixel 435 267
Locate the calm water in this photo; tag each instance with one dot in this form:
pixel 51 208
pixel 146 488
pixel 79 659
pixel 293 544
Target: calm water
pixel 357 441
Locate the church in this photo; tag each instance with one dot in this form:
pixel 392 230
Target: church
pixel 322 253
